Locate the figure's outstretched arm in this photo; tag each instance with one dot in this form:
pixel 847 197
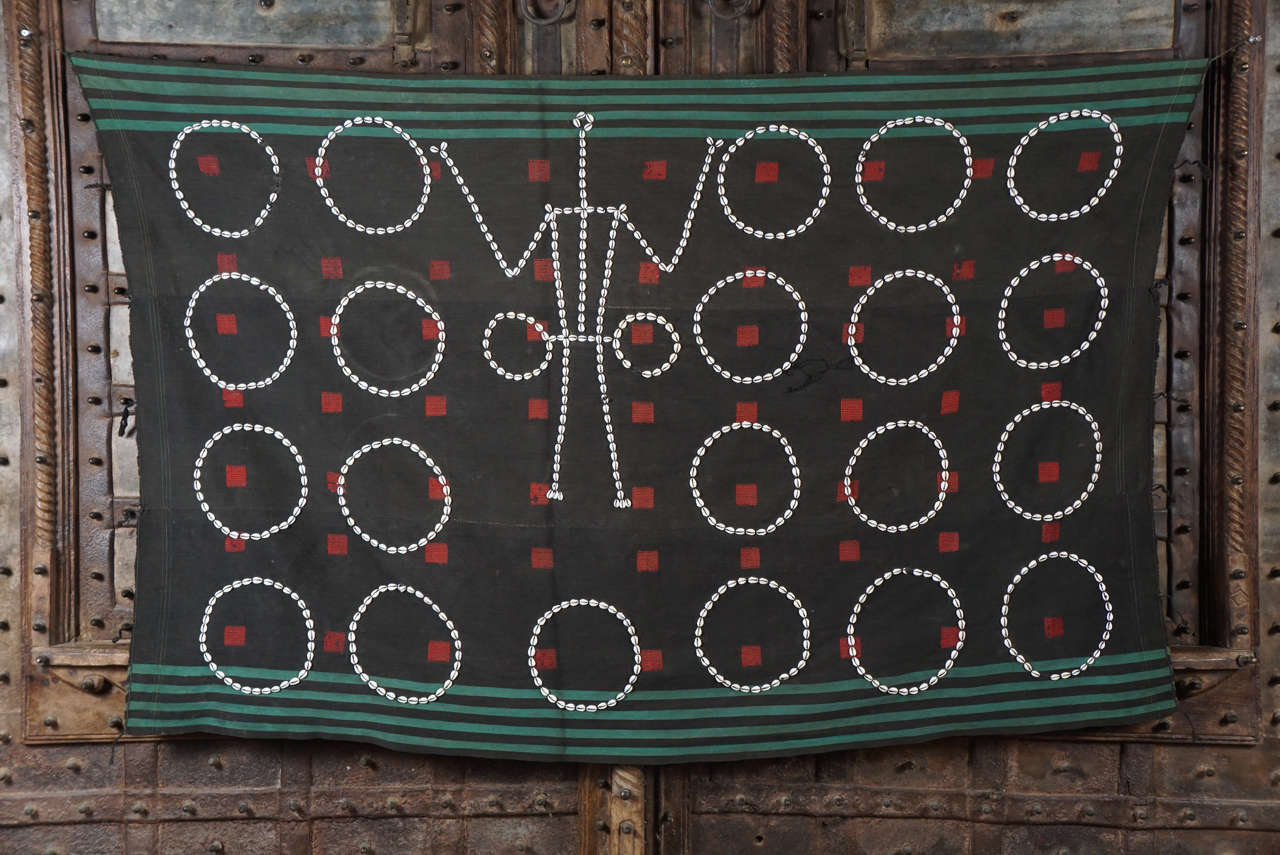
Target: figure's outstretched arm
pixel 510 271
pixel 713 145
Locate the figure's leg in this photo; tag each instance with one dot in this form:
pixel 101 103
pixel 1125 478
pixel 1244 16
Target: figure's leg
pixel 620 497
pixel 556 492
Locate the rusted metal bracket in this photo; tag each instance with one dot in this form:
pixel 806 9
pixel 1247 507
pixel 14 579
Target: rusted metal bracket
pixel 852 33
pixel 403 51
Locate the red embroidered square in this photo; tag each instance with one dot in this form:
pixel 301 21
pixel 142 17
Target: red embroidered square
pixel 331 267
pixel 539 170
pixel 436 406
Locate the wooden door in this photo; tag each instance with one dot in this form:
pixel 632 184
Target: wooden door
pixel 1189 783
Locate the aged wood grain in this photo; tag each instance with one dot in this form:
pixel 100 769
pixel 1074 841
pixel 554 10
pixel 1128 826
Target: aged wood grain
pixel 1193 793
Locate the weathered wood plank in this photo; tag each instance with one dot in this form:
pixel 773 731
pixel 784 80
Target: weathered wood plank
pixel 920 29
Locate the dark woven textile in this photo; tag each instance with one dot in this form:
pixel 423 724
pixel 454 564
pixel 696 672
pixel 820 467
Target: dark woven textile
pixel 642 420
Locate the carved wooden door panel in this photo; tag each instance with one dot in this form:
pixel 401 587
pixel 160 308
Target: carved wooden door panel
pixel 1183 783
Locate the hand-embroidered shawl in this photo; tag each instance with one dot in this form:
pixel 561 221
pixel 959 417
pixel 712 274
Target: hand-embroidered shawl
pixel 642 420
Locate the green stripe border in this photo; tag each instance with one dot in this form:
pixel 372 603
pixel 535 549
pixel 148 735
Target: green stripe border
pixel 579 100
pixel 630 83
pixel 367 698
pixel 665 733
pixel 628 132
pixel 793 112
pixel 1073 719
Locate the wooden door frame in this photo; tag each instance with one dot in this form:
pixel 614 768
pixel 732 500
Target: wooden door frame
pixel 68 510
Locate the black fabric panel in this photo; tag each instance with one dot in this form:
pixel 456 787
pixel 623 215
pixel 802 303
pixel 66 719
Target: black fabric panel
pixel 507 554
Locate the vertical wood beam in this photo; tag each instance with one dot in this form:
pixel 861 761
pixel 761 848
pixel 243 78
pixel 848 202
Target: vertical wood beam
pixel 632 37
pixel 1231 489
pixel 673 50
pixel 627 827
pixel 783 35
pixel 595 36
pixel 593 810
pixel 493 37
